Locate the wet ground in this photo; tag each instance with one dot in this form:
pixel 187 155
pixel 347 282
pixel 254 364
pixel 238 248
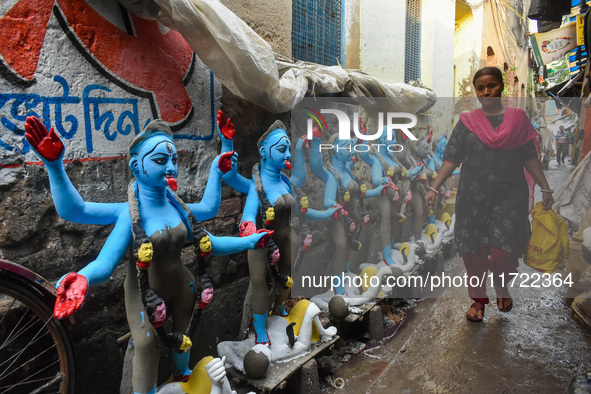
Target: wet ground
pixel 538 347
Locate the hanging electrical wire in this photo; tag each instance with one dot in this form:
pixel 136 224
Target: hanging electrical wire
pixel 515 12
pixel 506 26
pixel 496 25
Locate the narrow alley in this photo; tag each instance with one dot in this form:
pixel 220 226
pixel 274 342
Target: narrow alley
pixel 538 347
pixel 214 196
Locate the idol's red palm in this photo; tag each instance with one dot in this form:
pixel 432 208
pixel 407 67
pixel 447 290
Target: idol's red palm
pixel 47 144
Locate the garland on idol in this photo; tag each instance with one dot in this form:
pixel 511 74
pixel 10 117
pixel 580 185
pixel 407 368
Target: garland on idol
pixel 268 215
pixel 343 197
pixel 398 176
pixel 155 306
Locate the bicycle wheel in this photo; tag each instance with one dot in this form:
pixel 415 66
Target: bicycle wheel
pixel 35 352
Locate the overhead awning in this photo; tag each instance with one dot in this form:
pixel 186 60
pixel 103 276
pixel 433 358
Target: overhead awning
pixel 245 63
pixel 565 89
pixel 549 10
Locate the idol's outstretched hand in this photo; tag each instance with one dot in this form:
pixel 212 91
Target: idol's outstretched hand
pixel 47 144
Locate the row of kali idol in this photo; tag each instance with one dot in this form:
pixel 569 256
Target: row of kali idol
pixel 156 223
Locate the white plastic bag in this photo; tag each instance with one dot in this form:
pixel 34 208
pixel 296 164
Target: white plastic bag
pixel 245 63
pixel 573 199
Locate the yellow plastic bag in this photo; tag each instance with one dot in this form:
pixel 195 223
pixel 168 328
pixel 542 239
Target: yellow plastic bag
pixel 548 244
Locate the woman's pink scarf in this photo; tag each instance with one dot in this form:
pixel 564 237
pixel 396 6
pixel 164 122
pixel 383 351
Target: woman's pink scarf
pixel 515 131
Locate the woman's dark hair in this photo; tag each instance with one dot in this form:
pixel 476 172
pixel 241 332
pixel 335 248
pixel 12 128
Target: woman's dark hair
pixel 495 72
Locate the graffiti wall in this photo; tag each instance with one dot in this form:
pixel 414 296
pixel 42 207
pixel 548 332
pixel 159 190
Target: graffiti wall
pixel 97 74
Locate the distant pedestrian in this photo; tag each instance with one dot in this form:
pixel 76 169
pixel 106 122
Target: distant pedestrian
pixel 561 145
pixel 494 144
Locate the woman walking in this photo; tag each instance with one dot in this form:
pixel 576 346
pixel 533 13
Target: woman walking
pixel 493 143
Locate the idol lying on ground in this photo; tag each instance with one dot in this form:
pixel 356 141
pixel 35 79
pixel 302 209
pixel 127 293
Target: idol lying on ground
pixel 387 169
pixel 343 189
pixel 271 199
pixel 371 283
pixel 395 179
pixel 207 377
pixel 360 289
pixel 407 255
pixel 290 336
pixel 158 224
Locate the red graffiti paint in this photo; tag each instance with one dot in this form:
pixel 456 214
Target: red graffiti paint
pixel 148 60
pixel 23 31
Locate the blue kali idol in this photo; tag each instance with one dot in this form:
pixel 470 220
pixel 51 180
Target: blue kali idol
pixel 157 224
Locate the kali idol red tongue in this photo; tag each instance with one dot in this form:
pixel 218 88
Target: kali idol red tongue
pixel 288 164
pixel 171 182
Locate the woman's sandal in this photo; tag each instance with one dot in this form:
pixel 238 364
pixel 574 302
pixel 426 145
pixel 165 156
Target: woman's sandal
pixel 504 308
pixel 478 306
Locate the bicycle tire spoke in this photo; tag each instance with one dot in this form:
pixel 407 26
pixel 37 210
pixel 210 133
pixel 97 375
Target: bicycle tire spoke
pixel 23 365
pixel 21 351
pixel 12 332
pixel 27 381
pixel 28 325
pixel 35 351
pixel 16 354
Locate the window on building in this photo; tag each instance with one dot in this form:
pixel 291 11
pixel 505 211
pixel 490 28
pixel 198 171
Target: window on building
pixel 316 31
pixel 412 55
